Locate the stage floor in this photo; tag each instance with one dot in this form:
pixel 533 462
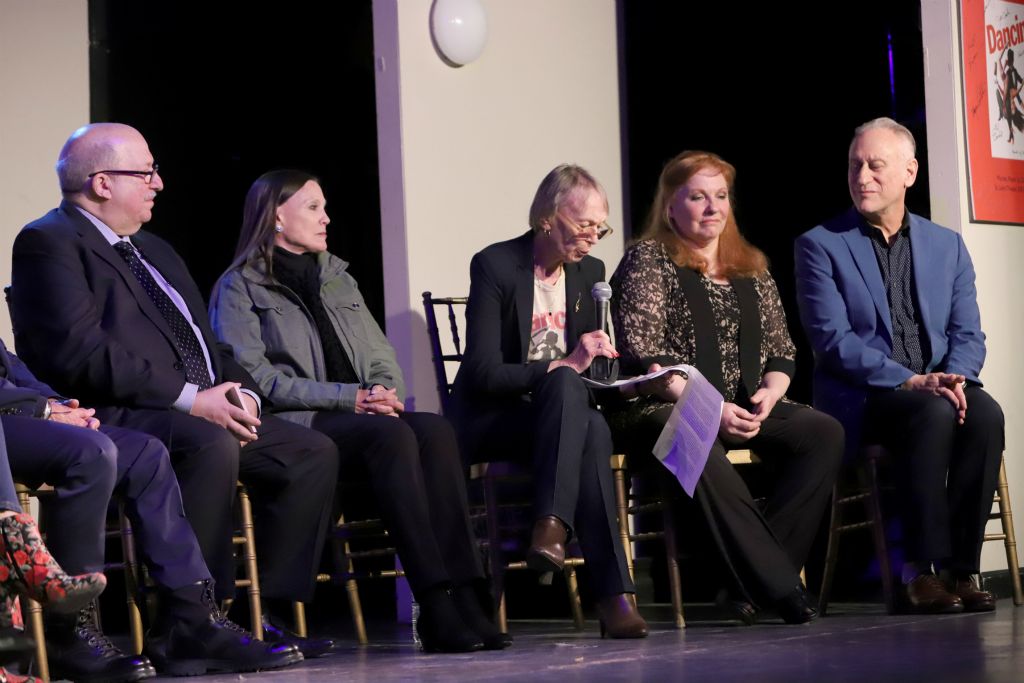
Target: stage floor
pixel 854 643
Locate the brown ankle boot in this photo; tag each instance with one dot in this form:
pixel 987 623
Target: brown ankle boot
pixel 547 547
pixel 620 618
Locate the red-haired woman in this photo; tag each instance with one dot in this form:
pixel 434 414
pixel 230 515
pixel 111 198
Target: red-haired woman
pixel 693 290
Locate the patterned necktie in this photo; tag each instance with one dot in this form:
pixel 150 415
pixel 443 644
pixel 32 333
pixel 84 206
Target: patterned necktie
pixel 196 371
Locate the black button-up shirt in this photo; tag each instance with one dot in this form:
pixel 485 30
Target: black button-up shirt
pixel 909 341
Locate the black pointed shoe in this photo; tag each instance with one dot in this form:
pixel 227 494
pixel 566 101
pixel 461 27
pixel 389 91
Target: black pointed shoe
pixel 796 607
pixel 309 647
pixel 474 605
pixel 441 627
pixel 738 608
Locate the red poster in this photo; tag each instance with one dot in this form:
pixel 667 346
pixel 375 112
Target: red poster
pixel 992 50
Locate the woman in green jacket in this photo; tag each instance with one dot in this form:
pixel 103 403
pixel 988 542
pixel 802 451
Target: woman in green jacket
pixel 298 324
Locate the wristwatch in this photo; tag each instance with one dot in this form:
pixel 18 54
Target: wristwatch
pixel 47 409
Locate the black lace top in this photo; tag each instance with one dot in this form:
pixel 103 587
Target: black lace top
pixel 652 317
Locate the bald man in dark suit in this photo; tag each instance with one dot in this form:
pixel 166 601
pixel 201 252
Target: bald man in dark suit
pixel 109 313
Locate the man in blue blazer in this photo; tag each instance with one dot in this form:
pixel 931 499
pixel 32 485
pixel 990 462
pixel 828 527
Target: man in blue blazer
pixel 888 301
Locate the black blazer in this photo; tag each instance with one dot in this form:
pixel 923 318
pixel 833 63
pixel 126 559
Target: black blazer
pixel 498 319
pixel 84 324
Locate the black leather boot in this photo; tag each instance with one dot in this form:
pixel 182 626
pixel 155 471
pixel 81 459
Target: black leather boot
pixel 78 650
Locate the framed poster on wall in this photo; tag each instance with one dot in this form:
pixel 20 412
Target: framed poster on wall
pixel 992 60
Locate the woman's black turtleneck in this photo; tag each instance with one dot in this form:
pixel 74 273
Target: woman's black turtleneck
pixel 301 274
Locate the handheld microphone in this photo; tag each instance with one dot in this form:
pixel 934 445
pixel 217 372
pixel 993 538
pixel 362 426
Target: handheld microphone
pixel 600 368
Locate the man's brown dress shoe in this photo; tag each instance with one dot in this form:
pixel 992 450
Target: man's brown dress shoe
pixel 927 594
pixel 974 599
pixel 547 546
pixel 620 618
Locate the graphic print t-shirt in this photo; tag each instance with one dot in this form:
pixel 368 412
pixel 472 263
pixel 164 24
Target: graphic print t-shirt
pixel 547 333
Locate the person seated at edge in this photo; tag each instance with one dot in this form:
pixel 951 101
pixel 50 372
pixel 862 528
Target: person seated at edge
pixel 298 324
pixel 28 569
pixel 518 394
pixel 888 301
pixel 693 290
pixel 50 438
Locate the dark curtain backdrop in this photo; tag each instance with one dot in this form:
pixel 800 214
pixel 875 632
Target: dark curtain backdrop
pixel 777 92
pixel 227 91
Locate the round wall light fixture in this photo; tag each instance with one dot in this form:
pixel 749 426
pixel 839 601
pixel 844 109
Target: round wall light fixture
pixel 459 29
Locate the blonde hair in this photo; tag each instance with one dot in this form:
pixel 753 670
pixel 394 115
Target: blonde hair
pixel 558 184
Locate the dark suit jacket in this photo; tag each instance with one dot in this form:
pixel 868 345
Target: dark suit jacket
pixel 845 312
pixel 84 324
pixel 20 392
pixel 494 372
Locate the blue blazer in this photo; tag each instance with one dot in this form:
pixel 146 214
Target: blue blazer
pixel 845 313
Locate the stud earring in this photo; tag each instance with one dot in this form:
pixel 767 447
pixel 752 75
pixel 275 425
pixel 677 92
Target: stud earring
pixel 278 228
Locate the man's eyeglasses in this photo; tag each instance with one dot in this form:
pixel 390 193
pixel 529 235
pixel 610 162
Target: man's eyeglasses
pixel 599 231
pixel 147 176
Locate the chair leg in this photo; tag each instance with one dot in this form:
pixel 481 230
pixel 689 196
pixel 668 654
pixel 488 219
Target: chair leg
pixel 675 582
pixel 132 581
pixel 574 596
pixel 831 553
pixel 495 561
pixel 357 610
pixel 1010 537
pixel 299 618
pixel 251 572
pixel 34 611
pixel 352 591
pixel 874 510
pixel 35 622
pixel 622 509
pixel 502 614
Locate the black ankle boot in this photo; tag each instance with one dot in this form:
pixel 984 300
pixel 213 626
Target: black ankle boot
pixel 79 651
pixel 440 625
pixel 475 605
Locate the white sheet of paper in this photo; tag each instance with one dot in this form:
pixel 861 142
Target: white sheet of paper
pixel 690 431
pixel 629 381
